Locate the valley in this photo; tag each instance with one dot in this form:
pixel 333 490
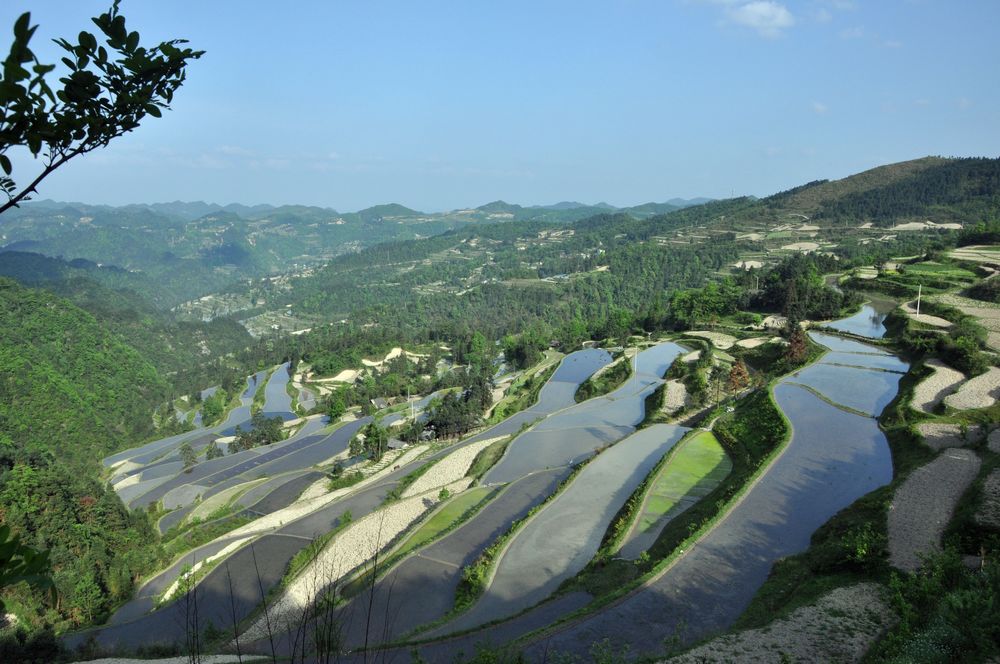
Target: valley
pixel 496 439
pixel 499 333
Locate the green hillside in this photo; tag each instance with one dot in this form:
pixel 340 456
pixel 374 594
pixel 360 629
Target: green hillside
pixel 112 296
pixel 603 268
pixel 69 386
pixel 70 393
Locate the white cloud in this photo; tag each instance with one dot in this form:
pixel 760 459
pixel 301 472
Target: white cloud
pixel 965 103
pixel 857 32
pixel 892 43
pixel 768 18
pixel 819 107
pixel 235 151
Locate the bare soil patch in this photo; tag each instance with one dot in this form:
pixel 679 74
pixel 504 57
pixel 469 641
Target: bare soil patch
pixel 718 339
pixel 676 396
pixel 839 627
pixel 933 389
pixel 979 392
pixel 926 319
pixel 801 246
pixel 940 436
pixel 924 504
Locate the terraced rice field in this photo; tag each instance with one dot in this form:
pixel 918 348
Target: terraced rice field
pixel 986 314
pixel 283 533
pixel 560 540
pixel 444 517
pixel 989 254
pixel 694 469
pixel 867 323
pixel 833 458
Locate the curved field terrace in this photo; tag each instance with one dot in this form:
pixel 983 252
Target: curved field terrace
pixel 562 538
pixel 694 469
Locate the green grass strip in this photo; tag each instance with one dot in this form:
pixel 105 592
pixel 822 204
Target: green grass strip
pixel 697 467
pixel 259 394
pixel 522 394
pixel 609 379
pixel 441 519
pixel 819 395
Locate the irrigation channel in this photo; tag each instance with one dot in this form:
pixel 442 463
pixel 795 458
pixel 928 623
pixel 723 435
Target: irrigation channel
pixel 232 585
pixel 835 455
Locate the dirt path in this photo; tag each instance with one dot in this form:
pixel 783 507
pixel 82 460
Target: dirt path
pixel 924 503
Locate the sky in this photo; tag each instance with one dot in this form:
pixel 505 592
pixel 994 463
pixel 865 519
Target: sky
pixel 446 105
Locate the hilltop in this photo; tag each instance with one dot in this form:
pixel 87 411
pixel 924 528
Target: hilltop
pixel 505 271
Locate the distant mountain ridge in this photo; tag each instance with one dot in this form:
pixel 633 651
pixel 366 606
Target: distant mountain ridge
pixel 192 210
pixel 228 247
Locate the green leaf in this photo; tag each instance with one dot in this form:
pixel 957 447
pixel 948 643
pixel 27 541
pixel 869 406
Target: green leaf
pixel 5 164
pixel 133 41
pixel 21 26
pixel 87 40
pixel 154 110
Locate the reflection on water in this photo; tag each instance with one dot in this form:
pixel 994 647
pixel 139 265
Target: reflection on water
pixel 574 434
pixel 845 345
pixel 884 362
pixel 561 539
pixel 861 389
pixel 573 370
pixel 869 322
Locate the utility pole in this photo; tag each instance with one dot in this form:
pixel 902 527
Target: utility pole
pixel 635 367
pixel 920 288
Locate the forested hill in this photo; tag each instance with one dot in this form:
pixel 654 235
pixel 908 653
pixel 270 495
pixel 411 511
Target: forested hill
pixel 112 296
pixel 175 252
pixel 68 387
pixel 70 392
pixel 614 265
pixel 929 189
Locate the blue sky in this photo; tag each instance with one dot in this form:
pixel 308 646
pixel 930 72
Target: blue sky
pixel 442 105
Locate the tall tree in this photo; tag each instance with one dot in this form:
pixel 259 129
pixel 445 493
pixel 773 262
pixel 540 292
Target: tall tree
pixel 739 377
pixel 188 456
pixel 797 345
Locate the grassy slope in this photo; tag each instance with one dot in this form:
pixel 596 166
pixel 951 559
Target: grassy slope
pixel 700 464
pixel 812 197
